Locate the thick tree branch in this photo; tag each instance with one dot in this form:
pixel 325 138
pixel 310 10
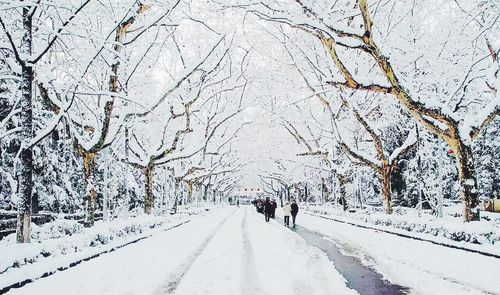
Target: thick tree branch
pixel 358 157
pixel 376 138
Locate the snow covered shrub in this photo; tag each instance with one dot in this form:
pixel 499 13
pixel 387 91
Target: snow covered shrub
pixel 57 229
pixel 451 228
pixel 62 237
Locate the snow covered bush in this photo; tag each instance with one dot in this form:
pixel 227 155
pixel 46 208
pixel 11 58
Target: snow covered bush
pixel 451 228
pixel 53 240
pixel 62 237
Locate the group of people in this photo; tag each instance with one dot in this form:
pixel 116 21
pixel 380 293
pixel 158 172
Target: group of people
pixel 268 208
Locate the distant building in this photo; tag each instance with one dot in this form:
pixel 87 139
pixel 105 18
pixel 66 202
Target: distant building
pixel 246 195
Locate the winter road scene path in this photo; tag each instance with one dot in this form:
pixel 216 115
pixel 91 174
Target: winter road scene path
pixel 235 251
pixel 260 147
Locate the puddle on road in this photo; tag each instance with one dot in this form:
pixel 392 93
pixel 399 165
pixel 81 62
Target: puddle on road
pixel 360 277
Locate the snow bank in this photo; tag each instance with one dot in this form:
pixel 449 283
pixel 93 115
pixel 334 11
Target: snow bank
pixel 60 243
pixel 449 227
pixel 139 268
pixel 68 236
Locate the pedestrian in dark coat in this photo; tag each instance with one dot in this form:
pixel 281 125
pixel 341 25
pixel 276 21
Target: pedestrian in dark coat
pixel 259 204
pixel 268 209
pixel 275 205
pixel 294 211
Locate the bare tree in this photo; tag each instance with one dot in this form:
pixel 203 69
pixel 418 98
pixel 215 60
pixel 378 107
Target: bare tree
pixel 384 164
pixel 31 17
pixel 455 131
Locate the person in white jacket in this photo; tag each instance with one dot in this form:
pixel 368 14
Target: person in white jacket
pixel 287 209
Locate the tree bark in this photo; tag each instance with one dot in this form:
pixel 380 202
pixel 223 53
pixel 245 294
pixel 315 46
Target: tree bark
pixel 105 199
pixel 25 173
pixel 385 182
pixel 324 191
pixel 148 199
pixel 467 180
pixel 205 192
pixel 342 198
pixel 189 191
pixel 91 193
pixel 176 194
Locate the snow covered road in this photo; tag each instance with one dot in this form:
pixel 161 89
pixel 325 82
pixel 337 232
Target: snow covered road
pixel 250 256
pixel 234 251
pixel 230 251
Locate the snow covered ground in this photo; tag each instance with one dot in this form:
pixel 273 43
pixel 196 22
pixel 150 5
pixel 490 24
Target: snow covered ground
pixel 234 251
pixel 230 251
pixel 482 236
pixel 250 256
pixel 59 244
pixel 424 267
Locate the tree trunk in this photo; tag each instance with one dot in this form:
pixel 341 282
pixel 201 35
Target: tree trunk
pixel 176 195
pixel 467 181
pixel 342 198
pixel 35 202
pixel 205 192
pixel 306 193
pixel 148 199
pixel 324 190
pixel 24 175
pixel 189 191
pixel 90 191
pixel 126 174
pixel 385 183
pixel 105 199
pixel 166 187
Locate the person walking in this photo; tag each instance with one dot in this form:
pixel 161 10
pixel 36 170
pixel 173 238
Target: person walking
pixel 286 213
pixel 268 209
pixel 259 204
pixel 294 210
pixel 275 205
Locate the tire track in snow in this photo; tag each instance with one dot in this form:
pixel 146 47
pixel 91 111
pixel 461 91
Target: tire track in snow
pixel 250 283
pixel 315 258
pixel 176 277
